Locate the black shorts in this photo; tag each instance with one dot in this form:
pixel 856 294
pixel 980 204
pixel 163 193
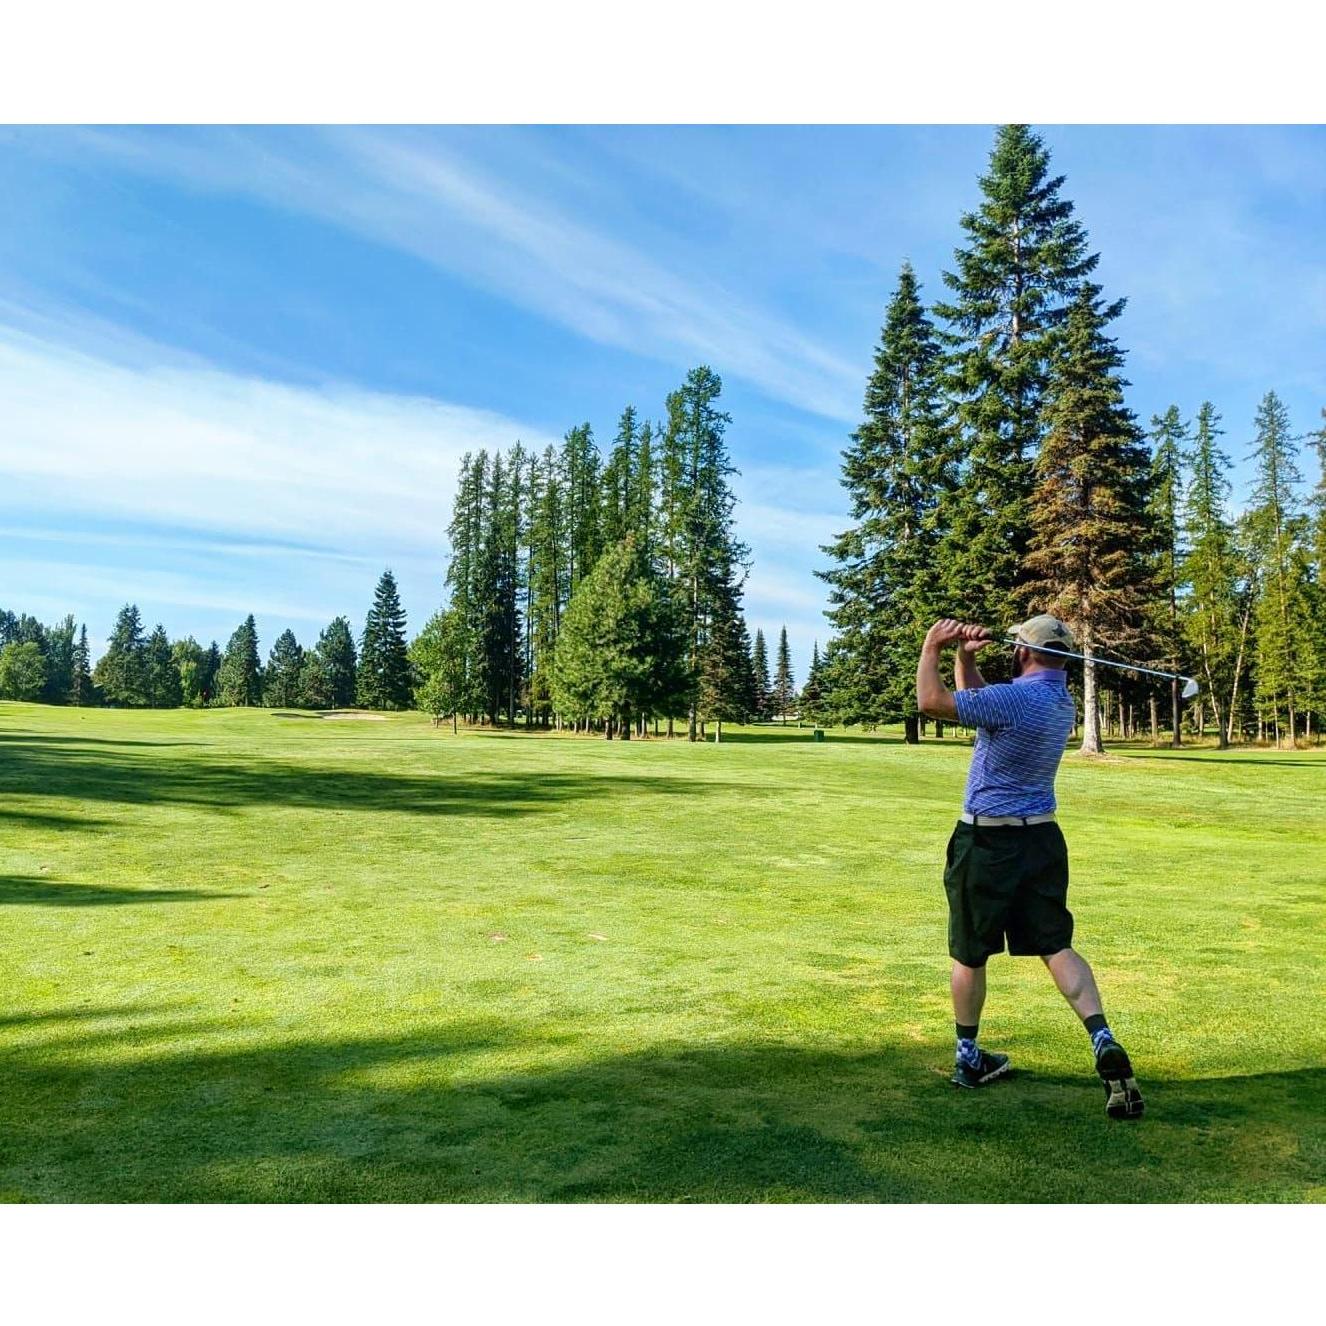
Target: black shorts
pixel 1007 880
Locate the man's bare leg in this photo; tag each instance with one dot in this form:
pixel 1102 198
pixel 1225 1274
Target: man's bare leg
pixel 968 987
pixel 1076 983
pixel 975 1066
pixel 1073 976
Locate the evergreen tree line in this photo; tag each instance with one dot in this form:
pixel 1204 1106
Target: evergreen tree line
pixel 600 592
pixel 148 670
pixel 999 472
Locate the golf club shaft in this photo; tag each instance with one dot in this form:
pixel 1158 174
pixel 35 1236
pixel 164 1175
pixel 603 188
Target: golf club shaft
pixel 1123 666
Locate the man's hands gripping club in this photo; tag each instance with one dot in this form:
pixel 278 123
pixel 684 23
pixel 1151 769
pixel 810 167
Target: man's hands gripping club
pixel 933 697
pixel 947 631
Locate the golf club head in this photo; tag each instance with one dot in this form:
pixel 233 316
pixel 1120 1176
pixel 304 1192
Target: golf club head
pixel 1190 688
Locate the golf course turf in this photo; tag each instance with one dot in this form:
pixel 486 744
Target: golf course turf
pixel 261 956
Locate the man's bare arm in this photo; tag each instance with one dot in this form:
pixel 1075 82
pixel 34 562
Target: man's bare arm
pixel 932 696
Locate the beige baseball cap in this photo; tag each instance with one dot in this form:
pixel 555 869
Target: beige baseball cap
pixel 1044 632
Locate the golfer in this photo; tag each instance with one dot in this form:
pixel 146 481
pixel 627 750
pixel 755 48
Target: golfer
pixel 1006 873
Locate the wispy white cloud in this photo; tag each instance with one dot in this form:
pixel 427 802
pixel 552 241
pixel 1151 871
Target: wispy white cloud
pixel 129 472
pixel 407 190
pixel 117 435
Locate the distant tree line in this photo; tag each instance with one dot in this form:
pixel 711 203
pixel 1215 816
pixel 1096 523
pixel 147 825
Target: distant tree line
pixel 148 670
pixel 600 593
pixel 591 592
pixel 998 472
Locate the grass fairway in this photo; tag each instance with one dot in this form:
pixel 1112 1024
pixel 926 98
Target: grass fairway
pixel 261 957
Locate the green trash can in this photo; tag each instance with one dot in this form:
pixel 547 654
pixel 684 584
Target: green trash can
pixel 819 734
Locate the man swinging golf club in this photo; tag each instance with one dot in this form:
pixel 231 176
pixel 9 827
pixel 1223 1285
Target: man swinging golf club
pixel 1006 872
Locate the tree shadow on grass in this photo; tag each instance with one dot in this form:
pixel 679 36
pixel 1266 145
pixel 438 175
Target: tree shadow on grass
pixel 79 1013
pixel 36 819
pixel 21 737
pixel 440 1114
pixel 36 891
pixel 1254 760
pixel 806 736
pixel 101 774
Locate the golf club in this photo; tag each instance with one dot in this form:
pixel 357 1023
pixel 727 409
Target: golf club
pixel 1190 687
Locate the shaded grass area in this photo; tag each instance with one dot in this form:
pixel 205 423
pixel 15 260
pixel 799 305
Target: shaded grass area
pixel 422 967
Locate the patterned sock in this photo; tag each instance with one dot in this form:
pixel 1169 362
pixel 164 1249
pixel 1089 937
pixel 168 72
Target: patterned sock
pixel 968 1051
pixel 1100 1039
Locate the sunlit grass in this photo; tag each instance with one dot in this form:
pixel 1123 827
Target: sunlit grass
pixel 254 957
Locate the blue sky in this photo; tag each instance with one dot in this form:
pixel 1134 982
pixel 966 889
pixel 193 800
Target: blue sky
pixel 238 367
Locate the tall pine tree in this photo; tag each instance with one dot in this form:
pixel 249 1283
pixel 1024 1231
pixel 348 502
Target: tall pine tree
pixel 1281 619
pixel 239 678
pixel 59 661
pixel 1091 536
pixel 1023 263
pixel 337 660
pixel 547 582
pixel 283 676
pixel 812 693
pixel 617 501
pixel 784 687
pixel 760 666
pixel 709 559
pixel 1216 615
pixel 164 688
pixel 581 486
pixel 498 590
pixel 1317 557
pixel 384 679
pixel 464 573
pixel 1169 436
pixel 121 672
pixel 209 677
pixel 80 681
pixel 897 471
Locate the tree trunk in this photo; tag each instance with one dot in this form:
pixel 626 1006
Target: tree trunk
pixel 1123 725
pixel 1175 739
pixel 939 728
pixel 1155 723
pixel 718 731
pixel 624 726
pixel 670 732
pixel 1238 668
pixel 454 728
pixel 1091 742
pixel 911 729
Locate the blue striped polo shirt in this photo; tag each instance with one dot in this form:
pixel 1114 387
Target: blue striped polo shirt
pixel 1021 727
